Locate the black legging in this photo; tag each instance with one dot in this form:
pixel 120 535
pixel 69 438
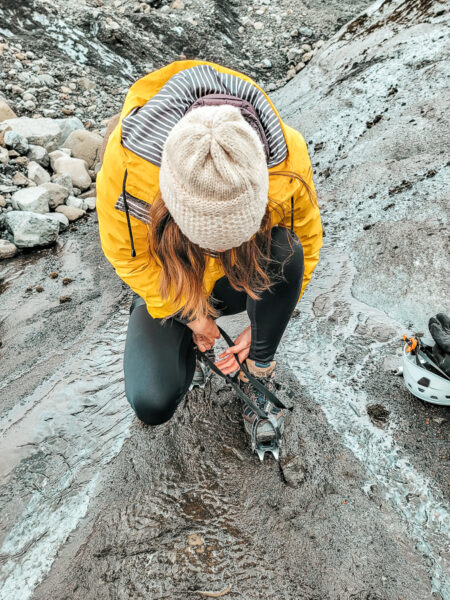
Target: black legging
pixel 159 360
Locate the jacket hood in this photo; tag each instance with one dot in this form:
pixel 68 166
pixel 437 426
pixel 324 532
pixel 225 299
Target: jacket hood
pixel 145 128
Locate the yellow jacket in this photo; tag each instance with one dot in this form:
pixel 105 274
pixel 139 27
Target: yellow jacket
pixel 142 272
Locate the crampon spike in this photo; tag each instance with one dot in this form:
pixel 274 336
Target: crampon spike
pixel 276 453
pixel 261 450
pixel 260 454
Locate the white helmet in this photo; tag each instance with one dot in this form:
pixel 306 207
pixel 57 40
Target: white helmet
pixel 422 376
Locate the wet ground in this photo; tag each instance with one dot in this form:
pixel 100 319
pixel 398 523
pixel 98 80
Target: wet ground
pixel 96 506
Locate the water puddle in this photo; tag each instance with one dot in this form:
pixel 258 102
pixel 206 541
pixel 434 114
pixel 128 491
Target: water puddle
pixel 314 346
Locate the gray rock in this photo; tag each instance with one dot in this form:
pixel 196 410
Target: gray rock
pixel 67 126
pixel 28 96
pixel 76 169
pixel 7 250
pixel 306 31
pixel 30 229
pixel 34 199
pixel 7 189
pixel 90 203
pixel 57 194
pixel 53 156
pixel 46 79
pixel 294 471
pixel 20 179
pixel 39 154
pixel 85 145
pixel 71 212
pixel 29 105
pixel 64 181
pixel 76 202
pixel 16 141
pixel 62 220
pixel 40 132
pixel 294 53
pixel 37 173
pixel 4 156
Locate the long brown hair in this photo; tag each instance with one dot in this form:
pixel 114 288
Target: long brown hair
pixel 248 267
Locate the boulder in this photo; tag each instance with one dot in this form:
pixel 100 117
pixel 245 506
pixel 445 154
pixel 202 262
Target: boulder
pixel 7 250
pixel 40 132
pixel 70 212
pixel 37 173
pixel 16 141
pixel 30 229
pixel 20 179
pixel 76 202
pixel 4 156
pixel 90 203
pixel 76 169
pixel 66 127
pixel 294 471
pixel 85 145
pixel 62 220
pixel 64 181
pixel 39 155
pixel 33 199
pixel 6 112
pixel 57 194
pixel 53 156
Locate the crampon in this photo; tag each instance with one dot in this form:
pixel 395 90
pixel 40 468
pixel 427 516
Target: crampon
pixel 258 446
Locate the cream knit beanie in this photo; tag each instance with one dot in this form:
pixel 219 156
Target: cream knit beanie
pixel 214 178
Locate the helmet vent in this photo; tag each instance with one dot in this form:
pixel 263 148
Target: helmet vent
pixel 424 381
pixel 434 397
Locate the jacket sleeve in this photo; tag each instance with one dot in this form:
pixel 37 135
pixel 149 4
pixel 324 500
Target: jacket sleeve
pixel 307 222
pixel 141 273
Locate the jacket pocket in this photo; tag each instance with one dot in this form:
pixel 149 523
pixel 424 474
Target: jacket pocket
pixel 137 208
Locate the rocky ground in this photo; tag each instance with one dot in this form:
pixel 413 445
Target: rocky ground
pixel 75 61
pixel 96 506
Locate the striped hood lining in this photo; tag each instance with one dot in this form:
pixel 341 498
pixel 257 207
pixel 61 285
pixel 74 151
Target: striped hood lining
pixel 146 128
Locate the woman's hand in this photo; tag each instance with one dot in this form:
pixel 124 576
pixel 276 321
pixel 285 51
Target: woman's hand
pixel 204 332
pixel 241 347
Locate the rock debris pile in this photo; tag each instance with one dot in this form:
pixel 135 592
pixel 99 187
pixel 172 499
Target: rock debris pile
pixel 48 168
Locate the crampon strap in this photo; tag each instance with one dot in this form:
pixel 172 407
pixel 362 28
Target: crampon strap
pixel 233 381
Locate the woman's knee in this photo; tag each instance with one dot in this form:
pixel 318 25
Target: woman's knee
pixel 152 409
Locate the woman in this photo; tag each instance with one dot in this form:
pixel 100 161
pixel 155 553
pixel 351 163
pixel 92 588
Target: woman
pixel 206 207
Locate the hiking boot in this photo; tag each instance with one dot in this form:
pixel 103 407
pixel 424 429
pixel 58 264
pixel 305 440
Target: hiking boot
pixel 202 371
pixel 265 435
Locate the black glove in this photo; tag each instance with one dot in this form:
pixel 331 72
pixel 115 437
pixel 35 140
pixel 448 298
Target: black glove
pixel 439 327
